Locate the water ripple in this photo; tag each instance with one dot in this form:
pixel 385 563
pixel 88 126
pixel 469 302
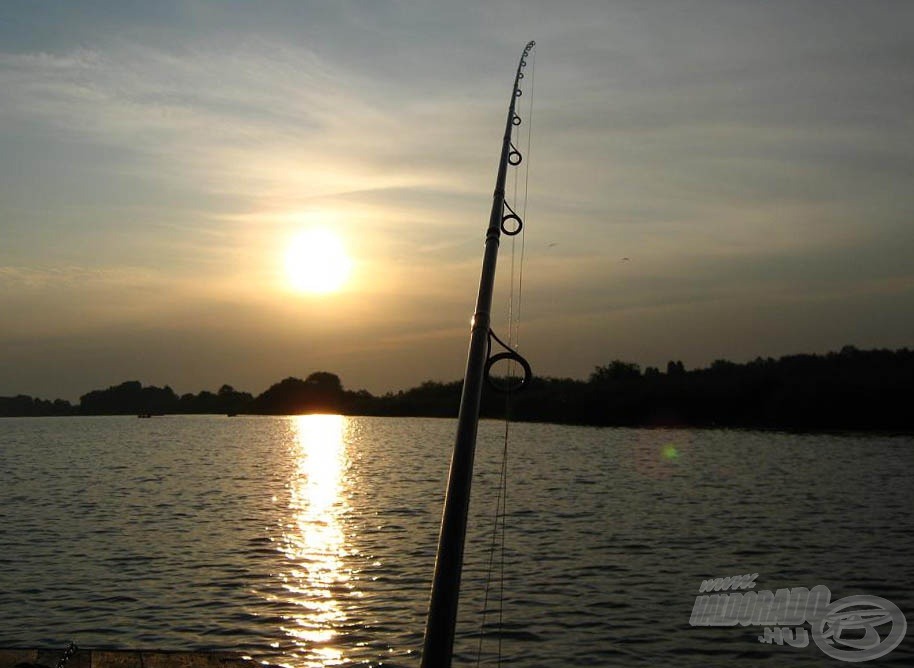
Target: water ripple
pixel 310 541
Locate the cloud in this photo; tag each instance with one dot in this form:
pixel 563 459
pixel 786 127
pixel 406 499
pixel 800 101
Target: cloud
pixel 153 161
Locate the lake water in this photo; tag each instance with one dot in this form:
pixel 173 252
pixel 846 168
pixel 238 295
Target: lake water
pixel 309 541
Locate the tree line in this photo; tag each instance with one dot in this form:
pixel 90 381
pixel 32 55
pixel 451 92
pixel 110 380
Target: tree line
pixel 848 389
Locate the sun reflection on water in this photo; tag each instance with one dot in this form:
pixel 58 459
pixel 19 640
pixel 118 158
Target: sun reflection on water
pixel 314 539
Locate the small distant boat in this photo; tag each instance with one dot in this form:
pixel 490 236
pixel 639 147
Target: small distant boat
pixel 144 415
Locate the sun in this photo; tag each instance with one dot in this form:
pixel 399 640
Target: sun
pixel 317 262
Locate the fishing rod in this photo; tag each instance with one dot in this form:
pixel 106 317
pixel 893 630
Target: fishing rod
pixel 442 613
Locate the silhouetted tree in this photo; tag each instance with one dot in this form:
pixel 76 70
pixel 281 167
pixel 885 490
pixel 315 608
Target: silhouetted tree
pixel 232 401
pixel 23 405
pixel 848 389
pixel 325 381
pixel 128 397
pixel 675 368
pixel 723 366
pixel 320 392
pixel 615 370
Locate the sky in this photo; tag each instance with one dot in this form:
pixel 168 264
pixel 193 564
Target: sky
pixel 751 160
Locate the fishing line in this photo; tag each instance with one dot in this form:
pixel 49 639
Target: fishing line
pixel 529 154
pixel 499 530
pixel 500 511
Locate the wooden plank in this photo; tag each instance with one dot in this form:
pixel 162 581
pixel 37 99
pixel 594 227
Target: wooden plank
pixel 98 658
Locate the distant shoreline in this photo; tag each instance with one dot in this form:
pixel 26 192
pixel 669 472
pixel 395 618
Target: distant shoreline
pixel 848 390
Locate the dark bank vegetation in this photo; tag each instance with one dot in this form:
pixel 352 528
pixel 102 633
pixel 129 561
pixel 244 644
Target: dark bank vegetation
pixel 850 389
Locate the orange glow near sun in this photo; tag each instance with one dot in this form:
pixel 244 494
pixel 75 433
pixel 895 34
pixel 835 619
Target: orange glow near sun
pixel 317 262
